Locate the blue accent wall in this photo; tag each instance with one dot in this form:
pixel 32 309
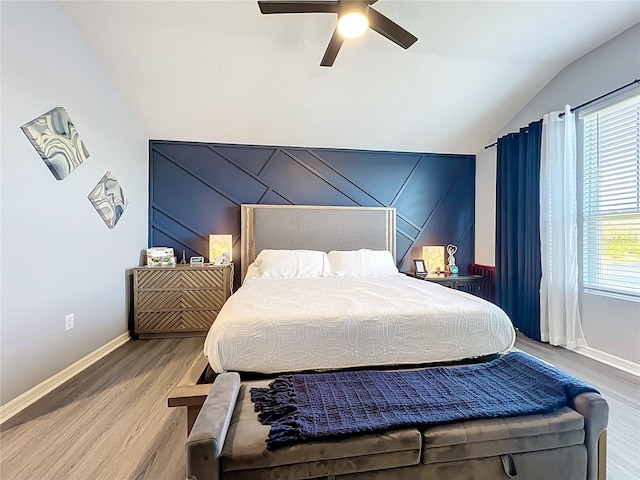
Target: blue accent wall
pixel 196 189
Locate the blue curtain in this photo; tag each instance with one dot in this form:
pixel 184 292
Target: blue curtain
pixel 518 270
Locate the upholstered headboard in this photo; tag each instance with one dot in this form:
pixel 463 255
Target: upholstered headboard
pixel 325 228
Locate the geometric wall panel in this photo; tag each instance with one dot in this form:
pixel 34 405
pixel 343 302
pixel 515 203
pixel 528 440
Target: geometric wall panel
pixel 250 158
pixel 382 173
pixel 418 201
pixel 196 189
pixel 299 185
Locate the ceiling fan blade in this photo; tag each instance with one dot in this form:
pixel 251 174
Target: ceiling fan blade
pixel 391 30
pixel 317 6
pixel 332 49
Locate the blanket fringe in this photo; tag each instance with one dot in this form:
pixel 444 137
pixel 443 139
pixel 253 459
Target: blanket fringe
pixel 278 407
pixel 281 435
pixel 275 399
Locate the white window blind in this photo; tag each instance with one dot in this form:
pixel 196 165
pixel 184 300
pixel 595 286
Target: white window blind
pixel 611 203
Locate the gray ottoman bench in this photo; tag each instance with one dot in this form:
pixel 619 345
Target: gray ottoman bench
pixel 227 442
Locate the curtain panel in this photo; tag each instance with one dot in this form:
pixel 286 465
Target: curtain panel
pixel 559 313
pixel 518 262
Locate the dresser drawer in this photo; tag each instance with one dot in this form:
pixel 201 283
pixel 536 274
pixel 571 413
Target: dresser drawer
pixel 175 322
pixel 158 300
pixel 169 278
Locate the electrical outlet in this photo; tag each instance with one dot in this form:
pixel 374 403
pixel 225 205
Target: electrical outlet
pixel 68 322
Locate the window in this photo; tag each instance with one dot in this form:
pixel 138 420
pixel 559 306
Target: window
pixel 611 197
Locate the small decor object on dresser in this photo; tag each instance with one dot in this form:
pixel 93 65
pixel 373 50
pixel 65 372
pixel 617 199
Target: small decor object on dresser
pixel 160 257
pixel 452 267
pixel 57 141
pixel 419 268
pixel 108 199
pixel 196 261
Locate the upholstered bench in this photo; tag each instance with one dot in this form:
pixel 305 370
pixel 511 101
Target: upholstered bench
pixel 227 442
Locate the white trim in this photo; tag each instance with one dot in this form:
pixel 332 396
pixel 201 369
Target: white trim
pixel 617 362
pixel 29 397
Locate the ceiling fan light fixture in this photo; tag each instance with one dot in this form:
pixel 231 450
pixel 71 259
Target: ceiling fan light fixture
pixel 355 17
pixel 353 24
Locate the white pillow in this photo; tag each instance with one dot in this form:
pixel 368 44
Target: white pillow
pixel 292 263
pixel 362 263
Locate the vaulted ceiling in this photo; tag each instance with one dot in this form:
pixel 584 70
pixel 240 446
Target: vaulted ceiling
pixel 219 71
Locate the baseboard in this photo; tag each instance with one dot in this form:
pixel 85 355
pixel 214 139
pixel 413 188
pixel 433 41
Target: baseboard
pixel 617 362
pixel 29 397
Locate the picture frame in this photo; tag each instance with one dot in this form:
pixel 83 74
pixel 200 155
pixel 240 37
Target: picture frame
pixel 108 199
pixel 56 140
pixel 160 257
pixel 419 267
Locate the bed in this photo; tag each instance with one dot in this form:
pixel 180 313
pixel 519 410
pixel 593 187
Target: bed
pixel 274 325
pixel 300 308
pixel 287 324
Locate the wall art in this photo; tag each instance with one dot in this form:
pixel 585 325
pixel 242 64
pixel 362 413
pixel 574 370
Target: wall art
pixel 56 140
pixel 108 199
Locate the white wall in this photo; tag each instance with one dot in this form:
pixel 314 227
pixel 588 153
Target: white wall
pixel 57 256
pixel 611 325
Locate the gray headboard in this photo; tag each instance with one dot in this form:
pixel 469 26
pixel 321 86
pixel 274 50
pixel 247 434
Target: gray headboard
pixel 296 227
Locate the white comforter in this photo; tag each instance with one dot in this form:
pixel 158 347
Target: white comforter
pixel 295 324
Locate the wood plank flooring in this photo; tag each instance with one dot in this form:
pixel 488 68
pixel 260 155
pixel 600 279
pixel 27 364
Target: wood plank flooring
pixel 111 421
pixel 622 391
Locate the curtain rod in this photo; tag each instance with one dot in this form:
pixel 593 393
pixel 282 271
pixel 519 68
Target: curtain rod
pixel 637 80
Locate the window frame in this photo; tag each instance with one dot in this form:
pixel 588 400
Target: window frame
pixel 587 286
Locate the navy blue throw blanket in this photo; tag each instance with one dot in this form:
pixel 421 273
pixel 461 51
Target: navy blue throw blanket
pixel 306 407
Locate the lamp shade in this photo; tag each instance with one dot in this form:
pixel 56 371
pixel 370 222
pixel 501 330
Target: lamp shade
pixel 433 257
pixel 218 246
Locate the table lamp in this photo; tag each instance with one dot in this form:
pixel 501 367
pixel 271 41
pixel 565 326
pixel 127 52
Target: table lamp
pixel 433 257
pixel 220 247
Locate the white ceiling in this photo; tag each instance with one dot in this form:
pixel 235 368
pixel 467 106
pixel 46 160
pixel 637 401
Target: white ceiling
pixel 219 71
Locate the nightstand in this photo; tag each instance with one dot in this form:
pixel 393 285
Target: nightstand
pixel 179 301
pixel 466 283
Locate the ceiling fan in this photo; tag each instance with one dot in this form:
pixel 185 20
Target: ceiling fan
pixel 354 18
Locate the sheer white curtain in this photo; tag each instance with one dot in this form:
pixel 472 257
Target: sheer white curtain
pixel 559 313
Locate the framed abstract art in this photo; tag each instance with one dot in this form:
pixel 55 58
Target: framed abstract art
pixel 108 199
pixel 56 140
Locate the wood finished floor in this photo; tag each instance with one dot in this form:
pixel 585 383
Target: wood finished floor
pixel 622 391
pixel 111 421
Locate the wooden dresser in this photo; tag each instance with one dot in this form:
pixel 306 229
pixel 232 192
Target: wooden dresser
pixel 180 301
pixel 466 283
